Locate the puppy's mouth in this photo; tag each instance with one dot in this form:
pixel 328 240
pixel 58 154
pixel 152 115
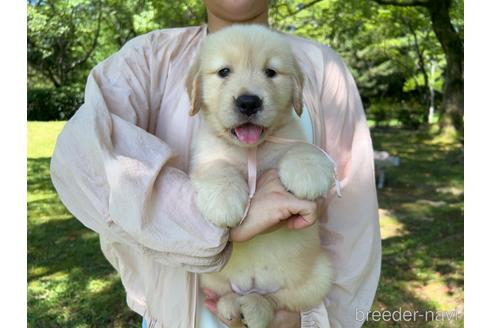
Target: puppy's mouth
pixel 247 133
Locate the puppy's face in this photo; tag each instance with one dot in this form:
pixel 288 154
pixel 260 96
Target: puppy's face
pixel 247 83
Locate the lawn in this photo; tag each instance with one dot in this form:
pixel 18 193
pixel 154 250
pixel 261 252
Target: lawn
pixel 421 216
pixel 71 285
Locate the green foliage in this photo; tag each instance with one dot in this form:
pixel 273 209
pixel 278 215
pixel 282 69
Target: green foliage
pixel 53 104
pixel 382 111
pixel 411 114
pixel 179 13
pixel 408 114
pixel 66 38
pixel 457 14
pixel 392 51
pixel 62 36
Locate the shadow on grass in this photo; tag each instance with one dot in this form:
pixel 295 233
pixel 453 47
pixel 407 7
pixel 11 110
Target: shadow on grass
pixel 70 284
pixel 422 266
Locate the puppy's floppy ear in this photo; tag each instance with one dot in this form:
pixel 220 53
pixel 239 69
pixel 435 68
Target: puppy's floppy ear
pixel 193 86
pixel 298 78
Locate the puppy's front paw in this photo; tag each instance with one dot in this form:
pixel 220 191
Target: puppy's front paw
pixel 222 196
pixel 255 311
pixel 306 172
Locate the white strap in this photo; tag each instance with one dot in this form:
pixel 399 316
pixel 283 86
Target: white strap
pixel 251 179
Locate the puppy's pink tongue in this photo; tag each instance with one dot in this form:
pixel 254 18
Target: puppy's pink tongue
pixel 248 133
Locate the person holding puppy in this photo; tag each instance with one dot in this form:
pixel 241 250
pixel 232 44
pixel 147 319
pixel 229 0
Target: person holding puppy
pixel 121 167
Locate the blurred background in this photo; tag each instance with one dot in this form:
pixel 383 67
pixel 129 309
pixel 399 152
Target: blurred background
pixel 407 59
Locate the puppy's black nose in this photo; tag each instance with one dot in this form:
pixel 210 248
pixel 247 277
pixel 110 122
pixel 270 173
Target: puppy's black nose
pixel 248 104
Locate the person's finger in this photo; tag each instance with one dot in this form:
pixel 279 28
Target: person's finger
pixel 304 209
pixel 211 305
pixel 209 294
pixel 292 206
pixel 298 222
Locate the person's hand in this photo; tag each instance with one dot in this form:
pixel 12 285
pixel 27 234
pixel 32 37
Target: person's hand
pixel 272 207
pixel 282 318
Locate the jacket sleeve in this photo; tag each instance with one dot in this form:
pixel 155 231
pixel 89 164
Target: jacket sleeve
pixel 117 178
pixel 350 227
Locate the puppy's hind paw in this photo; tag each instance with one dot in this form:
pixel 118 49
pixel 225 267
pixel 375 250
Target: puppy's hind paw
pixel 228 308
pixel 255 311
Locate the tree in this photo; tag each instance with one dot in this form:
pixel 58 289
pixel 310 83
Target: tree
pixel 452 45
pixel 179 13
pixel 62 37
pixel 66 38
pixel 392 50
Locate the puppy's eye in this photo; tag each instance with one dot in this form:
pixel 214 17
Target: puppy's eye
pixel 270 73
pixel 224 72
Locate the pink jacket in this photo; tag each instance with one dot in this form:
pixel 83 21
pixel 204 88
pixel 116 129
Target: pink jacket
pixel 120 167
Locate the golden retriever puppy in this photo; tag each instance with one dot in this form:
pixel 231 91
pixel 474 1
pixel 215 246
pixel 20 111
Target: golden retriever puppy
pixel 247 85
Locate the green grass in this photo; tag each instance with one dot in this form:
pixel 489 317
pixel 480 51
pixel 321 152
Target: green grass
pixel 41 138
pixel 70 284
pixel 421 215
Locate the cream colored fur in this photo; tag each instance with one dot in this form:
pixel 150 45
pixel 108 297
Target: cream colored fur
pixel 291 260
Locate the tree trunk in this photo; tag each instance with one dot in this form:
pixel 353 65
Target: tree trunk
pixel 453 49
